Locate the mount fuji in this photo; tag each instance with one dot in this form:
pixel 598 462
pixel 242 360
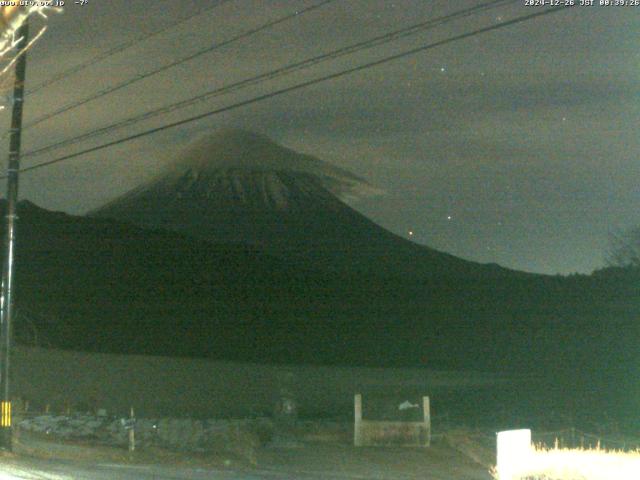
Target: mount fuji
pixel 241 187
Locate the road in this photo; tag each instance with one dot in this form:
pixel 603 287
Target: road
pixel 38 469
pixel 62 470
pixel 46 460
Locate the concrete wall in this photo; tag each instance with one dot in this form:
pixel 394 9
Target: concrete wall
pixel 182 434
pixel 175 387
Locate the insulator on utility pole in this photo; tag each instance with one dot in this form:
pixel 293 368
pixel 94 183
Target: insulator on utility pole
pixel 6 297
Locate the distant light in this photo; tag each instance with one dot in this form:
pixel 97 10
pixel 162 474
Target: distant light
pixel 410 233
pixel 448 217
pixel 442 69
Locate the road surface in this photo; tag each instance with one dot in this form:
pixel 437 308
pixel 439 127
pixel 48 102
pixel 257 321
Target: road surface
pixel 59 461
pixel 39 469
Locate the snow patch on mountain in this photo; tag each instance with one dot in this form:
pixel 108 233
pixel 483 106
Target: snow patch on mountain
pixel 230 150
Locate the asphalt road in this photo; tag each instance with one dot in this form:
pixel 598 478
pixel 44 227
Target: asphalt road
pixel 35 469
pixel 36 459
pixel 38 469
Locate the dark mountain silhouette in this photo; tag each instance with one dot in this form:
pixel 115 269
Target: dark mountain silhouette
pixel 100 285
pixel 241 187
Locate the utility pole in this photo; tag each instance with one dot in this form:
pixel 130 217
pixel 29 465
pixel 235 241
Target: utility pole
pixel 6 297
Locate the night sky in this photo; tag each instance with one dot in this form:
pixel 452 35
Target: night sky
pixel 517 146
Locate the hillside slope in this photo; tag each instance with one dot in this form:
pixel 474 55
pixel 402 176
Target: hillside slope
pixel 98 285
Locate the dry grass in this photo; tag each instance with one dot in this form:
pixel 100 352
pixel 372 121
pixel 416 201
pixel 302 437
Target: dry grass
pixel 237 442
pixel 578 464
pixel 236 447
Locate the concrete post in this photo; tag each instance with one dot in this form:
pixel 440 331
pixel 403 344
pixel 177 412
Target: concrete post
pixel 357 430
pixel 426 411
pixel 132 432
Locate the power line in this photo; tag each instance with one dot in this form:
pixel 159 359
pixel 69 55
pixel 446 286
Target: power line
pixel 180 61
pixel 285 70
pixel 117 49
pixel 298 86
